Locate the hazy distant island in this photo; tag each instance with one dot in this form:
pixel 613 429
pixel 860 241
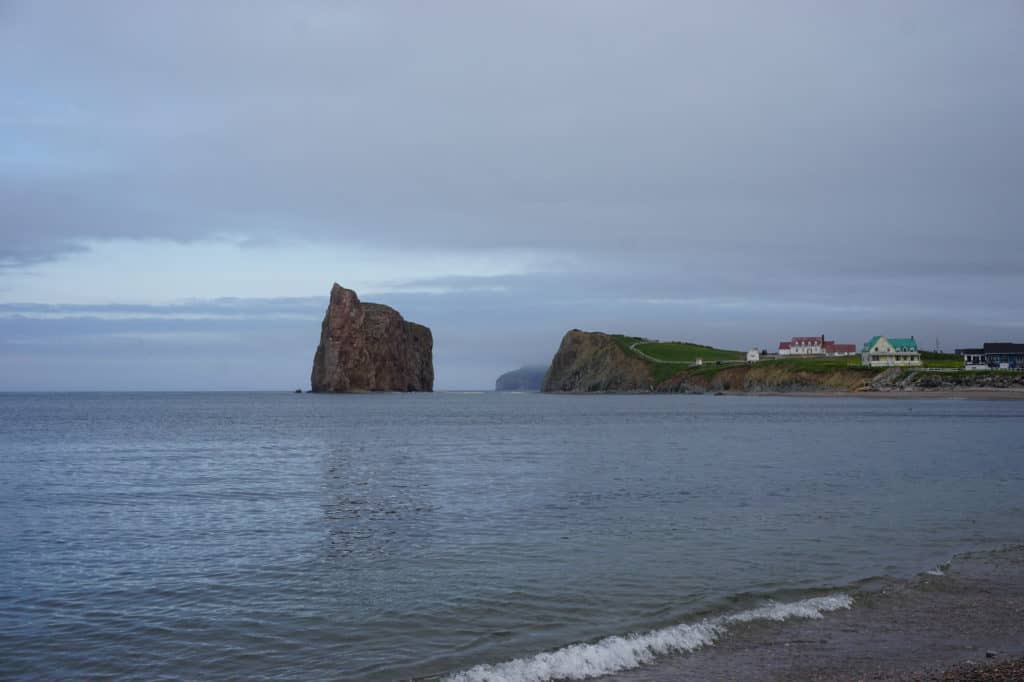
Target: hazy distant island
pixel 597 362
pixel 370 347
pixel 526 378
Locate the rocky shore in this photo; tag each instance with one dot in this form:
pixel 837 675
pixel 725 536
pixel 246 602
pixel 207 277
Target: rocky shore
pixel 962 622
pixel 929 394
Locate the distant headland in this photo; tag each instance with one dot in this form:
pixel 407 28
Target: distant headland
pixel 370 347
pixel 526 378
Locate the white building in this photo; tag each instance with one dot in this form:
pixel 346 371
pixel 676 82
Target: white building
pixel 753 355
pixel 802 345
pixel 815 345
pixel 882 351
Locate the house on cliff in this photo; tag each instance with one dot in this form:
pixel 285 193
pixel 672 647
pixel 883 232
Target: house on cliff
pixel 994 356
pixel 815 345
pixel 883 351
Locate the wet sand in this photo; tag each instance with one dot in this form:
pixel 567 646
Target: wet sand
pixel 965 624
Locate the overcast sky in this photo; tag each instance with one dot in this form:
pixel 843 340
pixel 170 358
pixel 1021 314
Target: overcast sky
pixel 181 182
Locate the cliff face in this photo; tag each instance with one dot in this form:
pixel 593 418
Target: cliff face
pixel 592 361
pixel 595 362
pixel 369 347
pixel 916 380
pixel 529 378
pixel 767 379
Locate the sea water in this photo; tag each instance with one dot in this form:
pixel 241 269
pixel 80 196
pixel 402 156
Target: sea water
pixel 468 536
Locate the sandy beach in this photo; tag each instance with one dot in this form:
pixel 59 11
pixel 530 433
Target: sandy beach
pixel 965 623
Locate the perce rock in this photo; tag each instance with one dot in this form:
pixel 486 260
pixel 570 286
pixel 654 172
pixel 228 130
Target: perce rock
pixel 370 347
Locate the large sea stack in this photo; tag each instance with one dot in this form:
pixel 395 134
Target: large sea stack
pixel 370 347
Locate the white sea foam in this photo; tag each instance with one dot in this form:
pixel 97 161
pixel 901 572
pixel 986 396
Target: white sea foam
pixel 580 661
pixel 805 608
pixel 614 654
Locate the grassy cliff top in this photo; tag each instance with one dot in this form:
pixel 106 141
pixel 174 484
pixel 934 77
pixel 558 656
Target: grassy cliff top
pixel 668 358
pixel 675 351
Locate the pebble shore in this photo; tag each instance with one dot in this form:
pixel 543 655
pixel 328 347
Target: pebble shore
pixel 963 621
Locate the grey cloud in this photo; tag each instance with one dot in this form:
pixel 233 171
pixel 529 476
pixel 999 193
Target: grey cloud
pixel 227 307
pixel 533 125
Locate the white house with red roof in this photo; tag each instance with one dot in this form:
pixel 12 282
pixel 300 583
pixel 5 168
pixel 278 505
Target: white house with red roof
pixel 815 345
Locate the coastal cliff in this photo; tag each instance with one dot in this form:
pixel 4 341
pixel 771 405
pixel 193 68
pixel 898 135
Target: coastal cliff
pixel 370 347
pixel 770 377
pixel 597 362
pixel 528 378
pixel 593 361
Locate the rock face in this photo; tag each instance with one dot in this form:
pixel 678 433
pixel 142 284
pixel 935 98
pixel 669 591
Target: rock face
pixel 528 378
pixel 767 378
pixel 593 361
pixel 918 380
pixel 370 347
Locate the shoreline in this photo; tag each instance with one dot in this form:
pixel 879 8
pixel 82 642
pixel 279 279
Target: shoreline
pixel 964 621
pixel 965 394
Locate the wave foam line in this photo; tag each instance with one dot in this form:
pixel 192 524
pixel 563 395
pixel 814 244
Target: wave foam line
pixel 614 654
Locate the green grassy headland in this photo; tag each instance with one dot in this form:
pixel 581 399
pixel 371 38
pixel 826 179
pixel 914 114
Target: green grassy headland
pixel 677 357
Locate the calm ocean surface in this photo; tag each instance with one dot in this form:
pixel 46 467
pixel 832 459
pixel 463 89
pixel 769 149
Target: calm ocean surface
pixel 384 537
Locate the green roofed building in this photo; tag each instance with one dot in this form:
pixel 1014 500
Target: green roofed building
pixel 883 351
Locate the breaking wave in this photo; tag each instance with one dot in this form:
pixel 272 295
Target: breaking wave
pixel 614 654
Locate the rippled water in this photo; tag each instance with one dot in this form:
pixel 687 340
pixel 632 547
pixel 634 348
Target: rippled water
pixel 386 537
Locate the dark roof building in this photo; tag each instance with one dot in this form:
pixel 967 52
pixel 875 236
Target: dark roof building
pixel 1011 348
pixel 994 355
